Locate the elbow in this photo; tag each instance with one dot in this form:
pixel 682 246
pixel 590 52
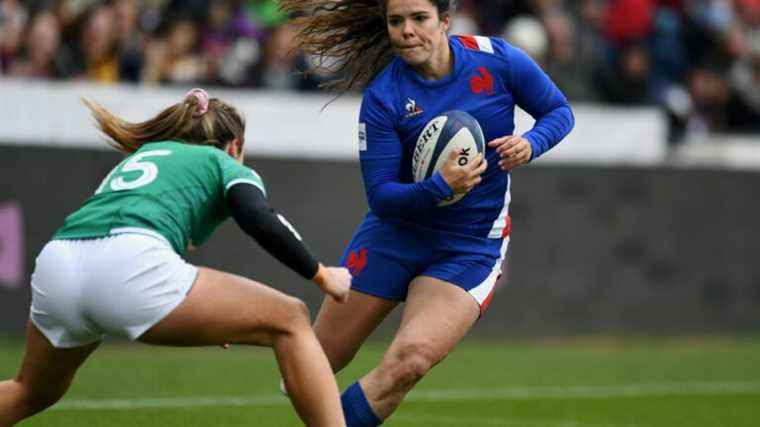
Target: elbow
pixel 570 118
pixel 381 208
pixel 253 222
pixel 380 204
pixel 565 119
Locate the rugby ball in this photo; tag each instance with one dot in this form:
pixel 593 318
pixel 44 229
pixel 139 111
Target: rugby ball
pixel 453 130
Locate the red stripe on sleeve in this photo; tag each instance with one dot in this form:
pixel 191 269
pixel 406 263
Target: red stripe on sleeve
pixel 469 42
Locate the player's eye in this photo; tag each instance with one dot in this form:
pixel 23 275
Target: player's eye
pixel 394 22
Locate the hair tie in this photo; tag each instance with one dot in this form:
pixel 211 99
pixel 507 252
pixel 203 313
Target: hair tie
pixel 203 100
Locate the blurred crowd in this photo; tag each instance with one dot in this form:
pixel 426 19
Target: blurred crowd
pixel 213 42
pixel 699 60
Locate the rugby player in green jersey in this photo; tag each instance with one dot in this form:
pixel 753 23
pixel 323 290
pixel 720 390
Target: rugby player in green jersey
pixel 116 267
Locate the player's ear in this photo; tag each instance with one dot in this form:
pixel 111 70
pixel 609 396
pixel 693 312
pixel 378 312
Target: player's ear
pixel 234 148
pixel 446 22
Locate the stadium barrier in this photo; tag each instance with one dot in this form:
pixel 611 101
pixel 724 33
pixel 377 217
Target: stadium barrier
pixel 296 125
pixel 594 249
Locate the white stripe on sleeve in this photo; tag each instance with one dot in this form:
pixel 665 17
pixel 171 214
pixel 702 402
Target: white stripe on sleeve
pixel 484 43
pixel 247 181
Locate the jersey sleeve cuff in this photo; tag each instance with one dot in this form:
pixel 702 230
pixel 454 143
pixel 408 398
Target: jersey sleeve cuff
pixel 439 187
pixel 534 148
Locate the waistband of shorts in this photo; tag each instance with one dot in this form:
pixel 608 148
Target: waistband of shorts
pixel 142 231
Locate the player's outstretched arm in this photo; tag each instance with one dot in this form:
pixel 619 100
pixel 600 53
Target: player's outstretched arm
pixel 251 210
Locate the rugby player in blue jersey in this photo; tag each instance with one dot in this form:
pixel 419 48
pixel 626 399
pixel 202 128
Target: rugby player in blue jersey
pixel 116 266
pixel 442 261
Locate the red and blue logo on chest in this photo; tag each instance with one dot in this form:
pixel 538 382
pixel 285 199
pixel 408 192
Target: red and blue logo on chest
pixel 482 79
pixel 482 82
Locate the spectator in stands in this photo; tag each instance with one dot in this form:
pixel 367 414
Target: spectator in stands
pixel 726 105
pixel 697 58
pixel 626 80
pixel 13 19
pixel 709 24
pixel 175 10
pixel 230 43
pixel 720 106
pixel 565 61
pixel 528 33
pixel 467 19
pixel 129 39
pixel 100 45
pixel 710 95
pixel 561 33
pixel 721 86
pixel 495 13
pixel 281 64
pixel 745 73
pixel 624 70
pixel 265 13
pixel 174 59
pixel 40 46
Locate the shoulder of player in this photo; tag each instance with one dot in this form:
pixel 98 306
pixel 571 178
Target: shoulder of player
pixel 381 92
pixel 224 164
pixel 386 76
pixel 218 156
pixel 490 47
pixel 206 154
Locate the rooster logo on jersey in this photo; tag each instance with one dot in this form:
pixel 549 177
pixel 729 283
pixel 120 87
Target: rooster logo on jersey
pixel 412 109
pixel 482 82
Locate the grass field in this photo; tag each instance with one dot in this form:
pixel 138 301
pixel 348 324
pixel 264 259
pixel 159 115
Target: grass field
pixel 569 383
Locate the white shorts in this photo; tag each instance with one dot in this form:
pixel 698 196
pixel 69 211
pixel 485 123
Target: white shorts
pixel 120 285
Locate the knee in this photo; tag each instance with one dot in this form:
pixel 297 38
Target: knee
pixel 296 315
pixel 287 317
pixel 407 365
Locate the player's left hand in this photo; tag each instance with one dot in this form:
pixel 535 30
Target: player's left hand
pixel 513 150
pixel 334 281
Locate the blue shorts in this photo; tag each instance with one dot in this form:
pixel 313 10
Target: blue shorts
pixel 385 256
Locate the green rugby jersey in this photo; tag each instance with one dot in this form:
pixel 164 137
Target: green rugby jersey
pixel 172 188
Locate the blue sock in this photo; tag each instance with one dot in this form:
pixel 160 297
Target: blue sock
pixel 356 409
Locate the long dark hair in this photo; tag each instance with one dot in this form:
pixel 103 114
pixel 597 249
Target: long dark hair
pixel 349 37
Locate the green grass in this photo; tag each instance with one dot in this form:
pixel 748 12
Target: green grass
pixel 569 383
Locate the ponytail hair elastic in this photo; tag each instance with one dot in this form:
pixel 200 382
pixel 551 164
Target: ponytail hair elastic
pixel 203 100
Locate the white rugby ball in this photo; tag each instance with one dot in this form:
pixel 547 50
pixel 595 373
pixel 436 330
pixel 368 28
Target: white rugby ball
pixel 453 130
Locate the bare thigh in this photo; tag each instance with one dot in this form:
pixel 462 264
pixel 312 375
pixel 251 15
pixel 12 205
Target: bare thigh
pixel 224 308
pixel 46 369
pixel 342 328
pixel 436 317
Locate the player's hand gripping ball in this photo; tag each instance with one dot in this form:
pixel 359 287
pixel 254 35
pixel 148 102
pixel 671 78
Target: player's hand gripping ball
pixel 454 133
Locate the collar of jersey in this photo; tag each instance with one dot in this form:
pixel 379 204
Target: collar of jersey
pixel 452 76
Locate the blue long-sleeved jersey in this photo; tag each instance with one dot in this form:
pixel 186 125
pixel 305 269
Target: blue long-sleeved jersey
pixel 489 78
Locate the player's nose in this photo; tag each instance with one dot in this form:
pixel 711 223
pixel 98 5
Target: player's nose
pixel 407 28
